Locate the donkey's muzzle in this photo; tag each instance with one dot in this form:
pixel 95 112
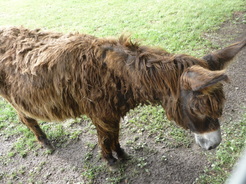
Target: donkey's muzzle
pixel 209 140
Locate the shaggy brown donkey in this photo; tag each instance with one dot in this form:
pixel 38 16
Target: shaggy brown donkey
pixel 53 77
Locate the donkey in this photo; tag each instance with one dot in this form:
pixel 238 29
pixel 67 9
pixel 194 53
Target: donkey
pixel 53 77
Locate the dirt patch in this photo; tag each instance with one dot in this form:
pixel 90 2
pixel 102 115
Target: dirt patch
pixel 150 162
pixel 230 32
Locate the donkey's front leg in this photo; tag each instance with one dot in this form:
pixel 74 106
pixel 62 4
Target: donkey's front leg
pixel 107 132
pixel 105 140
pixel 121 154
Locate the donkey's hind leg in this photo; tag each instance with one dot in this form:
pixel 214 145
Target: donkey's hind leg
pixel 32 124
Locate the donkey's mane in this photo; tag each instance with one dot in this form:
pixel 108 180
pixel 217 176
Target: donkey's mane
pixel 154 74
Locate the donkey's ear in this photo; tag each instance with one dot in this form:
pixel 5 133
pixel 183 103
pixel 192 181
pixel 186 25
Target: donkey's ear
pixel 218 60
pixel 197 78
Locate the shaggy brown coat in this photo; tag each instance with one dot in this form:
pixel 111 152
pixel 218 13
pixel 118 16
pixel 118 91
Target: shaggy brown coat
pixel 53 77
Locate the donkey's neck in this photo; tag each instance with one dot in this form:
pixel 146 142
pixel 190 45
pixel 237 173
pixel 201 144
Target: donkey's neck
pixel 151 74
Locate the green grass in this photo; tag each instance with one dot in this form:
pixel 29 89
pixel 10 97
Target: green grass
pixel 173 24
pixel 176 25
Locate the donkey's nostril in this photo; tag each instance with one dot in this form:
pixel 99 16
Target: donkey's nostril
pixel 210 147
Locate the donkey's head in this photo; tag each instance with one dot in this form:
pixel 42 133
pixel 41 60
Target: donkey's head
pixel 202 96
pixel 202 100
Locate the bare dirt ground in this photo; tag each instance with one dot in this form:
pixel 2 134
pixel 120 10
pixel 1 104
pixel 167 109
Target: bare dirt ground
pixel 150 163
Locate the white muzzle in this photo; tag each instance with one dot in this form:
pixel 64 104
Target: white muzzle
pixel 209 140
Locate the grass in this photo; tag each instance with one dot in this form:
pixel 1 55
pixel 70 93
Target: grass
pixel 175 25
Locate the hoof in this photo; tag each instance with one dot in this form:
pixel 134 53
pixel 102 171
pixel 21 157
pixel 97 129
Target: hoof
pixel 123 156
pixel 112 163
pixel 46 144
